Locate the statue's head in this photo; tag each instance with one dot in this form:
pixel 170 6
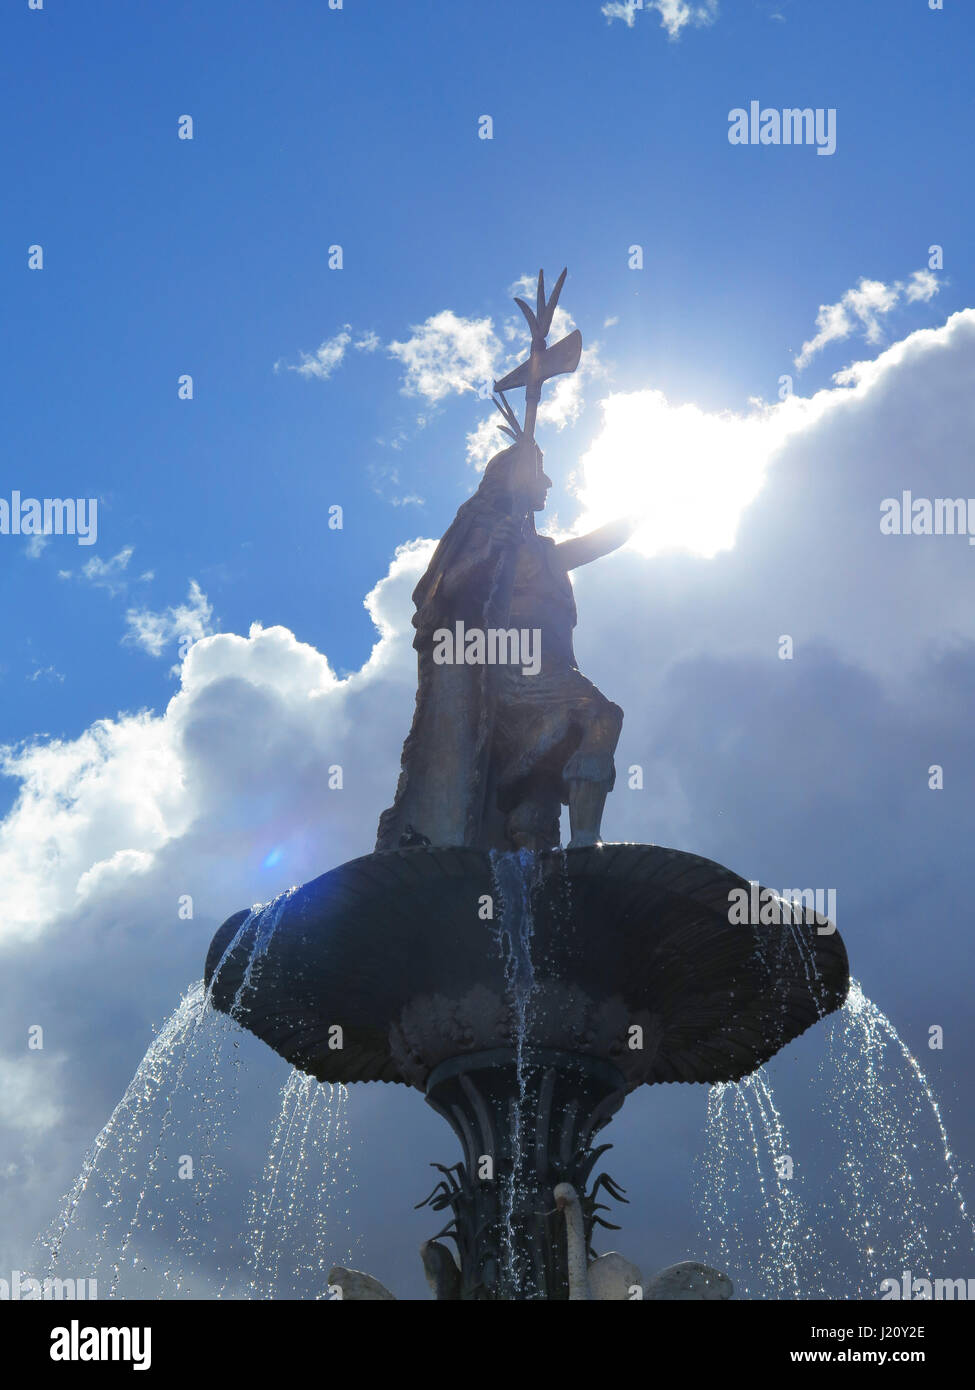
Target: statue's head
pixel 513 474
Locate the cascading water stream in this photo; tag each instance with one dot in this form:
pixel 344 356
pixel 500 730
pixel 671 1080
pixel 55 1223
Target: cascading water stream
pixel 267 917
pixel 880 1195
pixel 515 876
pixel 308 1156
pixel 902 1204
pixel 743 1121
pixel 146 1085
pixel 158 1074
pixel 173 1122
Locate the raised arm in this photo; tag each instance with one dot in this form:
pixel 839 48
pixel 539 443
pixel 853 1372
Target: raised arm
pixel 582 549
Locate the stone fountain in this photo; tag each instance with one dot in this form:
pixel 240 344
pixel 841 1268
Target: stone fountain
pixel 523 988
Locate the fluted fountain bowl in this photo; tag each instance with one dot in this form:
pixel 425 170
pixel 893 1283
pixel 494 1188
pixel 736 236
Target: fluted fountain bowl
pixel 390 965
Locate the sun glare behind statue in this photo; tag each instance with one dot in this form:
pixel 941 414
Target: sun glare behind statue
pixel 688 473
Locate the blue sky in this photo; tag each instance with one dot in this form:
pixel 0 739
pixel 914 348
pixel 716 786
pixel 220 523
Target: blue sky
pixel 359 127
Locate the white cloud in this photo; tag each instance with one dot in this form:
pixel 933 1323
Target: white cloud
pixel 326 358
pixel 526 287
pixel 922 285
pixel 864 307
pixel 385 479
pixel 94 814
pixel 154 631
pixel 330 355
pixel 108 873
pixel 675 15
pixel 117 786
pixel 105 574
pixel 485 440
pixel 447 355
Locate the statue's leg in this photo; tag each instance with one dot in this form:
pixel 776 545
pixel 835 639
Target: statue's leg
pixel 534 822
pixel 557 727
pixel 590 773
pixel 531 721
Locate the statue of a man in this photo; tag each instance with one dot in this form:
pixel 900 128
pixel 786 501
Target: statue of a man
pixel 496 749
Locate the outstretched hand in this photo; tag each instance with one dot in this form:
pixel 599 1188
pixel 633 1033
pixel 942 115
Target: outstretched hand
pixel 582 550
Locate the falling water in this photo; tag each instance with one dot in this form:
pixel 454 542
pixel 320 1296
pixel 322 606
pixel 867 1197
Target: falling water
pixel 897 1193
pixel 516 875
pixel 153 1165
pixel 299 1210
pixel 212 1119
pixel 267 918
pixel 878 1193
pixel 745 1128
pixel 129 1116
pixel 165 1152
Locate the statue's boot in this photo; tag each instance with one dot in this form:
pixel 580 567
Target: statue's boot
pixel 354 1284
pixel 441 1269
pixel 590 773
pixel 586 802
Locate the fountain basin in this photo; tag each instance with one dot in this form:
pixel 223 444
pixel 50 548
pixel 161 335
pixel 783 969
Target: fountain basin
pixel 636 963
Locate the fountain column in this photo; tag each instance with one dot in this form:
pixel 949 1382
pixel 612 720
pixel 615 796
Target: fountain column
pixel 521 1135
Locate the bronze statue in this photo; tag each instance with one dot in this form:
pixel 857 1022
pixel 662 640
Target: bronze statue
pixel 506 728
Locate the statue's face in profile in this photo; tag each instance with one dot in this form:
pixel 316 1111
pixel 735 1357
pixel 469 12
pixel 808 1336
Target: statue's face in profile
pixel 542 484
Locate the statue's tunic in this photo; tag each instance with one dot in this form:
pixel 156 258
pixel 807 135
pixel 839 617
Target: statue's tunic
pixel 554 726
pixel 491 746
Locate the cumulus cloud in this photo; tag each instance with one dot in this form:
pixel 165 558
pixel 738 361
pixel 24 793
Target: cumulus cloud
pixel 99 809
pixel 447 355
pixel 814 472
pixel 115 787
pixel 675 15
pixel 153 631
pixel 863 307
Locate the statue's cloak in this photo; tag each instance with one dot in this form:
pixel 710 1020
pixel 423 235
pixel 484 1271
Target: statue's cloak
pixel 443 784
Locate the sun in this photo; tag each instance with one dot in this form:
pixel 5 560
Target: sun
pixel 687 472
